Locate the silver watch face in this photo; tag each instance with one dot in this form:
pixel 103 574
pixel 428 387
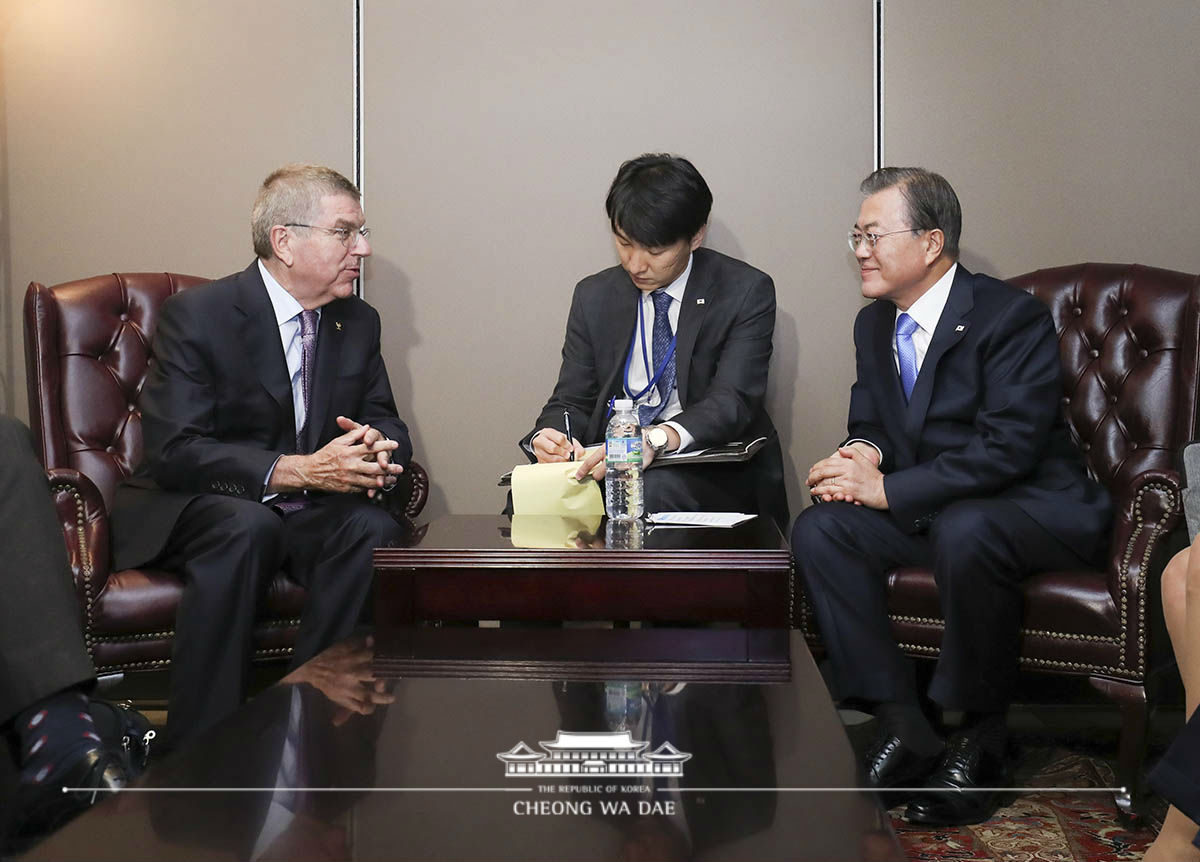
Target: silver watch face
pixel 657 438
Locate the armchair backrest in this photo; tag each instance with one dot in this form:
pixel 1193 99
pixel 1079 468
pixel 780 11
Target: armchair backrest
pixel 87 350
pixel 1129 339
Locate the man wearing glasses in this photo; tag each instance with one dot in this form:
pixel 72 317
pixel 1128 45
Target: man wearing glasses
pixel 957 457
pixel 268 422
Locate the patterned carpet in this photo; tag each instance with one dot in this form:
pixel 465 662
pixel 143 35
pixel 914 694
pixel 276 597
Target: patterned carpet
pixel 1042 827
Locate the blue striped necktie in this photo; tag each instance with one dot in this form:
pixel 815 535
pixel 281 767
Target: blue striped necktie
pixel 906 352
pixel 661 343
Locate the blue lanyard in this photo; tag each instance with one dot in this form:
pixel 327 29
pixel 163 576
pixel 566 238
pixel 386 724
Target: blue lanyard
pixel 658 373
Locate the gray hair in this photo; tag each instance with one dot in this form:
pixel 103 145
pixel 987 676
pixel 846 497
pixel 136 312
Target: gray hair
pixel 931 201
pixel 292 194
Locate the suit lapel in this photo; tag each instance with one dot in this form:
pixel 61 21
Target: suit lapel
pixel 330 337
pixel 623 318
pixel 952 326
pixel 259 335
pixel 691 316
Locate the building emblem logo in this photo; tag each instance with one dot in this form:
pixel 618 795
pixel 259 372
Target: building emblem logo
pixel 614 753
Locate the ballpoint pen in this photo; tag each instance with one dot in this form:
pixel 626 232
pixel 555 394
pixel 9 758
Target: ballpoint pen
pixel 570 439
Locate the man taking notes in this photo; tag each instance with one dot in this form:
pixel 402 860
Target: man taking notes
pixel 268 422
pixel 957 458
pixel 682 330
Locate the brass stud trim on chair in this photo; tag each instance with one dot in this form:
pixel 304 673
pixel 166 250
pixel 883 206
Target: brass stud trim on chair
pixel 137 665
pixel 940 623
pixel 1158 530
pixel 170 633
pixel 85 566
pixel 791 584
pixel 142 636
pixel 274 651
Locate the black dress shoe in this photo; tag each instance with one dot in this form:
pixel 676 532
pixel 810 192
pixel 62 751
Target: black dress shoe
pixel 957 797
pixel 890 763
pixel 40 809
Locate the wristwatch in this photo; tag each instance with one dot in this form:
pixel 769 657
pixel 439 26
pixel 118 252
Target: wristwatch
pixel 657 439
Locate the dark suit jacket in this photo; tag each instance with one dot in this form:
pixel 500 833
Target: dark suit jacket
pixel 984 419
pixel 722 352
pixel 217 402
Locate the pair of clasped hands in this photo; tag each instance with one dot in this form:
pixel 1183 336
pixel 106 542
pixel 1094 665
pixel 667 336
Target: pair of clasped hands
pixel 359 460
pixel 551 446
pixel 850 475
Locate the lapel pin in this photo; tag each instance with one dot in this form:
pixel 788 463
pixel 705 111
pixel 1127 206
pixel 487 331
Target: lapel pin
pixel 958 328
pixel 699 302
pixel 338 324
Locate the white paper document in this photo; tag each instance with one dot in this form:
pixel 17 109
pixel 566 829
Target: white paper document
pixel 698 519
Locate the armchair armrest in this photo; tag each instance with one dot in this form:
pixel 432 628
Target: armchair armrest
pixel 406 500
pixel 84 522
pixel 1147 510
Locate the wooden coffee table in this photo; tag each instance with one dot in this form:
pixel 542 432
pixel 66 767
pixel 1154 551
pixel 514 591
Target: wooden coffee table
pixel 467 567
pixel 530 768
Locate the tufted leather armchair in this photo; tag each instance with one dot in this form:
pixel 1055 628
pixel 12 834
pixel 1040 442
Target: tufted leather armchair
pixel 87 349
pixel 1129 339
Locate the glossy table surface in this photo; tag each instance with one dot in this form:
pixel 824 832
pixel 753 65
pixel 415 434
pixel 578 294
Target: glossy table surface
pixel 764 769
pixel 540 567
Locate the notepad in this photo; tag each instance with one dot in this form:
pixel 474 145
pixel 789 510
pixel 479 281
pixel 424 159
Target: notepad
pixel 552 489
pixel 699 519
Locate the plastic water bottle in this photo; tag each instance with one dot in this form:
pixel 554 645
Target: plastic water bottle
pixel 623 463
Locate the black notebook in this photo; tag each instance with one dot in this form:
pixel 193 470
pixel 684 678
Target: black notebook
pixel 737 451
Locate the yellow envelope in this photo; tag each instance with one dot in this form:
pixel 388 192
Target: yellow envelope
pixel 552 489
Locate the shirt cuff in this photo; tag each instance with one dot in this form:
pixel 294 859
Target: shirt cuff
pixel 869 443
pixel 685 439
pixel 528 447
pixel 267 481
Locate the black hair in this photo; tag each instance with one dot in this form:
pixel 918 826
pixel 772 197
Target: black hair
pixel 931 201
pixel 658 199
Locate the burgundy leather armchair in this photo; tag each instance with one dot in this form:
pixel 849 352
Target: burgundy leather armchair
pixel 87 347
pixel 1129 338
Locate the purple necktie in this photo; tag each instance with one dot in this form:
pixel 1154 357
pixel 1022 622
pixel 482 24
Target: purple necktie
pixel 308 352
pixel 906 352
pixel 661 344
pixel 289 503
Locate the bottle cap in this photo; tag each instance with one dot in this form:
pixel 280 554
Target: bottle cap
pixel 622 404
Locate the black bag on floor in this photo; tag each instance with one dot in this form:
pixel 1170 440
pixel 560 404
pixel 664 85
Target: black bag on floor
pixel 126 731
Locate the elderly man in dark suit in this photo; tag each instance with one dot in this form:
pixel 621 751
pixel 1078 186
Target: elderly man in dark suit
pixel 268 422
pixel 957 457
pixel 683 331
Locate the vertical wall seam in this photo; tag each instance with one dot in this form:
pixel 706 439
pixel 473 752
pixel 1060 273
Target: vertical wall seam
pixel 357 96
pixel 878 39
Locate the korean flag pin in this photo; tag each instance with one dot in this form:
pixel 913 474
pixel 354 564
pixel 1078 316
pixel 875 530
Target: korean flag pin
pixel 338 324
pixel 700 301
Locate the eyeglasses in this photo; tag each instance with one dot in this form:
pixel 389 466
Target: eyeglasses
pixel 855 238
pixel 345 235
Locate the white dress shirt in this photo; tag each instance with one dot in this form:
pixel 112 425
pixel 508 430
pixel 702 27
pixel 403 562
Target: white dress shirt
pixel 640 374
pixel 287 317
pixel 926 311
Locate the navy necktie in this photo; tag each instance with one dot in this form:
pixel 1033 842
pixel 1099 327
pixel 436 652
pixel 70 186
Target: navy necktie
pixel 906 352
pixel 661 344
pixel 308 353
